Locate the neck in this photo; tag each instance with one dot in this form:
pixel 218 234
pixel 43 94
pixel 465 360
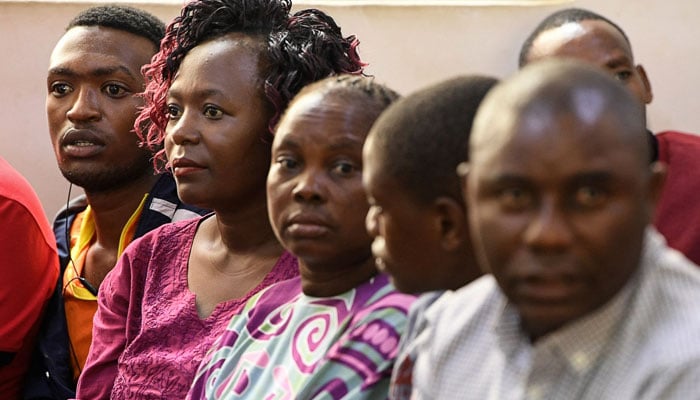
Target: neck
pixel 325 279
pixel 111 210
pixel 245 230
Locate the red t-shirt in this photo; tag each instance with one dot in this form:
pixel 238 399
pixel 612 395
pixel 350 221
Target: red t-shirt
pixel 28 273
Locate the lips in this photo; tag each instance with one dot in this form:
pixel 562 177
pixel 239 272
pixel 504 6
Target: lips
pixel 307 226
pixel 81 143
pixel 549 289
pixel 184 166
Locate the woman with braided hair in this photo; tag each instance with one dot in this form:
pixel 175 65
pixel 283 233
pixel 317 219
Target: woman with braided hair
pixel 224 74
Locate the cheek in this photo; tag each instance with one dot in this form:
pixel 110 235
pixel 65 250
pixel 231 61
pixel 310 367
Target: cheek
pixel 277 196
pixel 352 208
pixel 496 236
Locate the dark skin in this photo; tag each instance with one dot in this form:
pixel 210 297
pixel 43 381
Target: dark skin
pixel 217 116
pixel 315 195
pixel 599 44
pixel 561 231
pixel 91 107
pixel 423 245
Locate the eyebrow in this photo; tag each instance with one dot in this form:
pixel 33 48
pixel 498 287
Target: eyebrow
pixel 102 71
pixel 617 61
pixel 589 177
pixel 199 94
pixel 599 177
pixel 339 144
pixel 346 143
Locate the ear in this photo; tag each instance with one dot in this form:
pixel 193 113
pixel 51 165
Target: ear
pixel 656 182
pixel 452 218
pixel 648 95
pixel 462 173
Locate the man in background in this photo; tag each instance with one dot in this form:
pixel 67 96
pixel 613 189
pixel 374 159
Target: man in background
pixel 589 37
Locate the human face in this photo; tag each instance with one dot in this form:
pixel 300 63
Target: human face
pixel 315 197
pixel 409 235
pixel 93 76
pixel 217 119
pixel 597 43
pixel 561 230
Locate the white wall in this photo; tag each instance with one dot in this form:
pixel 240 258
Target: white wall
pixel 407 47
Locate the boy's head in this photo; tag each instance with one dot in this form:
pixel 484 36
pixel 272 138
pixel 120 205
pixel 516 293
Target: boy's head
pixel 315 197
pixel 417 215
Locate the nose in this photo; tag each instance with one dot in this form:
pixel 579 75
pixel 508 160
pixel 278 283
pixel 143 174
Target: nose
pixel 183 130
pixel 86 106
pixel 371 221
pixel 309 187
pixel 549 230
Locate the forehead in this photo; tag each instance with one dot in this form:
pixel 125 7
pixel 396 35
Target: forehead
pixel 588 40
pixel 549 147
pixel 323 120
pixel 86 46
pixel 226 63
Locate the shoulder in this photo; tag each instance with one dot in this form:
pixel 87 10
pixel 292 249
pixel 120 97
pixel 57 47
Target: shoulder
pixel 677 136
pixel 378 297
pixel 174 232
pixel 162 244
pixel 477 297
pixel 676 146
pixel 18 197
pixel 456 316
pixel 665 310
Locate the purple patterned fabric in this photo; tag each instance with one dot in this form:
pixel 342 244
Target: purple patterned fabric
pixel 286 345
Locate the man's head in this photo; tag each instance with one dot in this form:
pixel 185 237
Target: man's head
pixel 93 79
pixel 592 38
pixel 417 216
pixel 560 190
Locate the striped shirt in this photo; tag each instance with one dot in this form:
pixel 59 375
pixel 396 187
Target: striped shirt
pixel 643 344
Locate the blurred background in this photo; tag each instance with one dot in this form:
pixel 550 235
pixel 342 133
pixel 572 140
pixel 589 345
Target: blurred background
pixel 408 44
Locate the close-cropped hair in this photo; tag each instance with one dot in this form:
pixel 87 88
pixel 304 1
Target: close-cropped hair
pixel 362 90
pixel 422 137
pixel 558 19
pixel 296 49
pixel 123 18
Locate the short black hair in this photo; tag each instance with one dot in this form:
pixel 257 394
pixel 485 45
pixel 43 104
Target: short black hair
pixel 422 137
pixel 123 18
pixel 560 18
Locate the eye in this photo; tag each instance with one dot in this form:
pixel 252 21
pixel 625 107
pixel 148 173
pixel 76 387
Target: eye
pixel 590 197
pixel 213 112
pixel 286 162
pixel 515 198
pixel 115 90
pixel 623 76
pixel 60 89
pixel 174 111
pixel 344 168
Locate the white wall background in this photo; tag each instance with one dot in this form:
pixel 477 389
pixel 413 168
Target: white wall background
pixel 407 47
